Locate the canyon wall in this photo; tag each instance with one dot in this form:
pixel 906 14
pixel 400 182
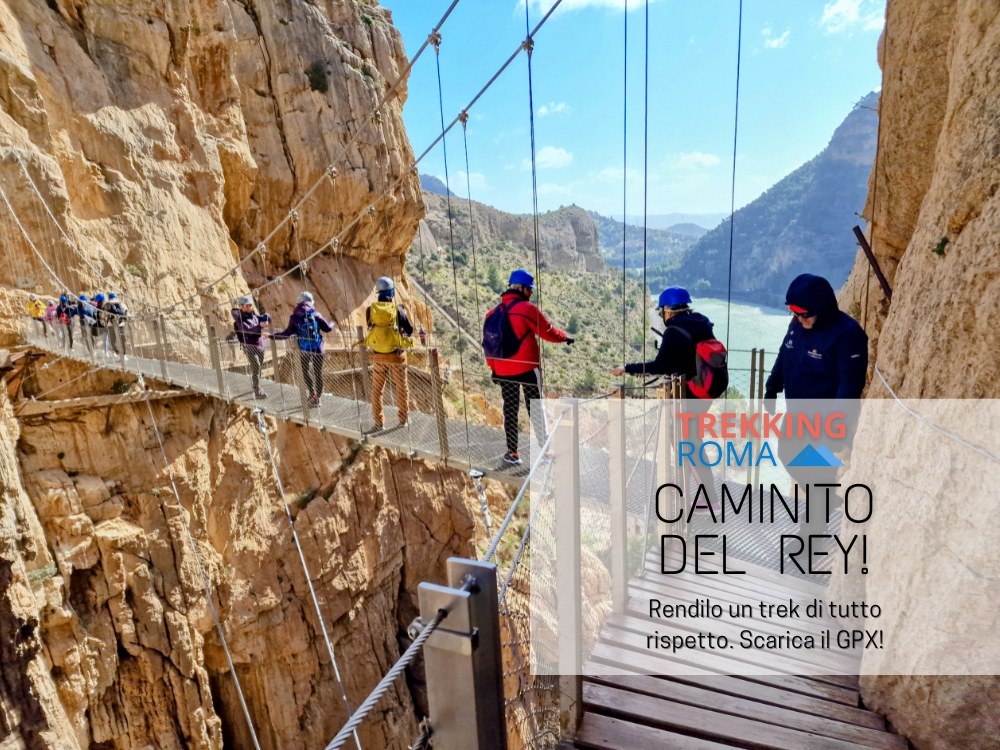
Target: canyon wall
pixel 935 215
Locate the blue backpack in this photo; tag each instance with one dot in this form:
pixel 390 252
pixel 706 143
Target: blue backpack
pixel 499 339
pixel 307 332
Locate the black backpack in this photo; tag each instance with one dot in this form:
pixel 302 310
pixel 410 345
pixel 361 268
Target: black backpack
pixel 499 339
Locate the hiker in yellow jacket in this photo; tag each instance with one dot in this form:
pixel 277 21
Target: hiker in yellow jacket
pixel 36 311
pixel 389 331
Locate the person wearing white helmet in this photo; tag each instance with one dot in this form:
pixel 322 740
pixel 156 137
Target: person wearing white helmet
pixel 389 332
pixel 248 325
pixel 308 327
pixel 114 314
pixel 36 311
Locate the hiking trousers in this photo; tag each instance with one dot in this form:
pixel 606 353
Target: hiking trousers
pixel 255 356
pixel 312 372
pixel 384 366
pixel 510 390
pixel 43 325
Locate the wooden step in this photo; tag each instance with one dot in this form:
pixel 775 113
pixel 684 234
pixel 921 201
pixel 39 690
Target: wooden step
pixel 599 732
pixel 708 724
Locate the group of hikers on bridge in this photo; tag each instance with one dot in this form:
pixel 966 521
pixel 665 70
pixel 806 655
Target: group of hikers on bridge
pixel 824 354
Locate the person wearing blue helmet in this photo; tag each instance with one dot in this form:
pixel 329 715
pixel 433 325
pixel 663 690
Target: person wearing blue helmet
pixel 99 329
pixel 87 314
pixel 683 330
pixel 65 311
pixel 510 342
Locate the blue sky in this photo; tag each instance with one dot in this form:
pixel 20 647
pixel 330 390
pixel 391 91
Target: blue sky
pixel 804 65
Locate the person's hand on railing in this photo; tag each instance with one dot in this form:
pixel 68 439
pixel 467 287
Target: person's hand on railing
pixel 618 371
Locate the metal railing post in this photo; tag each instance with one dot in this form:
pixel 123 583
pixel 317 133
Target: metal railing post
pixel 618 507
pixel 274 358
pixel 366 383
pixel 437 396
pixel 569 647
pixel 462 659
pixel 213 355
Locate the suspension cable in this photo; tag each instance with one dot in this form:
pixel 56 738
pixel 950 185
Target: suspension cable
pixel 529 48
pixel 262 426
pixel 201 568
pixel 732 189
pixel 625 186
pixel 451 248
pixel 645 184
pixel 472 217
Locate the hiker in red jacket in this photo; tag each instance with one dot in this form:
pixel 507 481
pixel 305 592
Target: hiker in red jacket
pixel 510 343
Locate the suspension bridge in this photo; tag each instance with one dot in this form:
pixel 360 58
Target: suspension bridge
pixel 185 347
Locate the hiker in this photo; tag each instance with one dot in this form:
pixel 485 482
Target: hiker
pixel 248 325
pixel 100 329
pixel 683 330
pixel 510 342
pixel 389 331
pixel 824 355
pixel 308 327
pixel 87 314
pixel 64 320
pixel 50 314
pixel 423 337
pixel 114 314
pixel 36 311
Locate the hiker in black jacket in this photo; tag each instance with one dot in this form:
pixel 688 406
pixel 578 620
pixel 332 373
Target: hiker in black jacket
pixel 683 329
pixel 824 355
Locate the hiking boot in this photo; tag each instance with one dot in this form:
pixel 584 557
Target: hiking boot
pixel 512 457
pixel 314 400
pixel 259 394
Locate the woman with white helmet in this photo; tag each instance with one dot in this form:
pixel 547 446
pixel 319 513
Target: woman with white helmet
pixel 249 327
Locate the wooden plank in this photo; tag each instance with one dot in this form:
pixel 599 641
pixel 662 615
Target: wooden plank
pixel 757 577
pixel 707 724
pixel 829 662
pixel 612 661
pixel 741 660
pixel 599 732
pixel 698 663
pixel 691 695
pixel 33 408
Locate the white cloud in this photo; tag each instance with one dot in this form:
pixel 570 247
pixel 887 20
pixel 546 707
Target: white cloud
pixel 553 108
pixel 550 157
pixel 550 188
pixel 774 42
pixel 696 160
pixel 847 15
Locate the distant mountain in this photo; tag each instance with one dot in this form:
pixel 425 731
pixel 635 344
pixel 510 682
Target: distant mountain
pixel 664 248
pixel 665 221
pixel 567 237
pixel 431 184
pixel 801 224
pixel 687 229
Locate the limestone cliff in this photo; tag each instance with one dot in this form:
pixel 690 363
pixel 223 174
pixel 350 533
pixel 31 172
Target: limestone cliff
pixel 168 139
pixel 109 638
pixel 935 213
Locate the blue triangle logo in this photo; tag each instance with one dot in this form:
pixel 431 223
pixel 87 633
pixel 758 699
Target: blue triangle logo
pixel 810 456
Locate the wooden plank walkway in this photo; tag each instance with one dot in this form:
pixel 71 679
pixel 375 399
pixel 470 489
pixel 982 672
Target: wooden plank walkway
pixel 471 446
pixel 705 700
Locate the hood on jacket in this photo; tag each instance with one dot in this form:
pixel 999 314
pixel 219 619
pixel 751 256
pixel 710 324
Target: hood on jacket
pixel 696 324
pixel 813 293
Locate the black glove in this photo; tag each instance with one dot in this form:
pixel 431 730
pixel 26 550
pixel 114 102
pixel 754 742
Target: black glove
pixel 769 398
pixel 570 339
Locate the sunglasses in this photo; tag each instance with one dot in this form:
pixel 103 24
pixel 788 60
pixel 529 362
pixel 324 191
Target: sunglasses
pixel 804 314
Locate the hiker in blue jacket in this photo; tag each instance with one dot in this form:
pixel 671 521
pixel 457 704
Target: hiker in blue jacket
pixel 824 355
pixel 308 327
pixel 249 327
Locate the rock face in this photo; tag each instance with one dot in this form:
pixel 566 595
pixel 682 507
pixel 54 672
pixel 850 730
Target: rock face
pixel 169 139
pixel 109 639
pixel 935 213
pixel 567 238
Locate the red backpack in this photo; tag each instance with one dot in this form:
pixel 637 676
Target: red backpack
pixel 711 368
